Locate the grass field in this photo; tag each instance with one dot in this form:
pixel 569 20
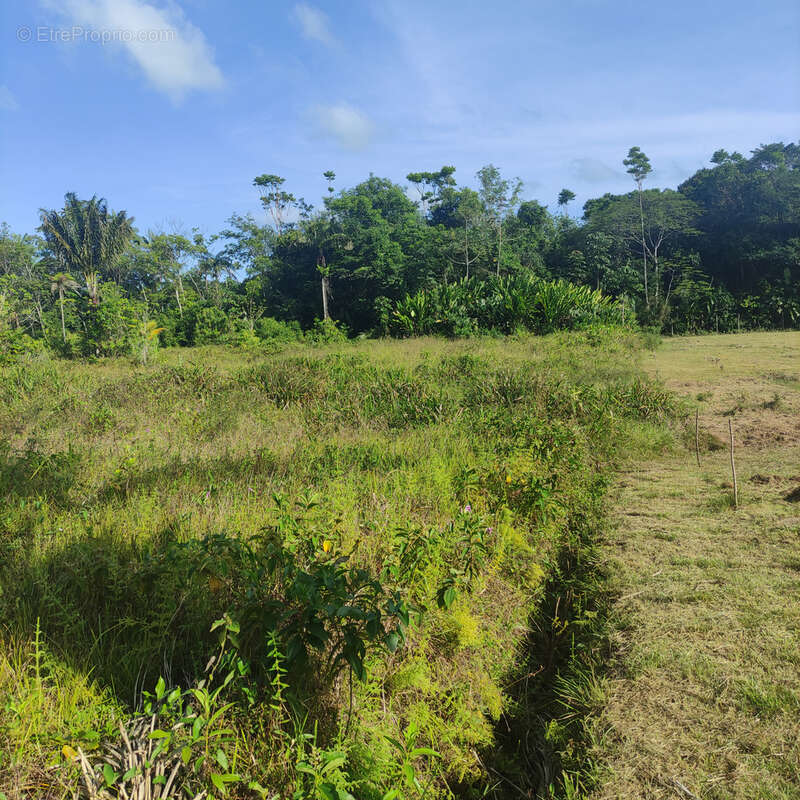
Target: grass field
pixel 480 568
pixel 703 695
pixel 394 540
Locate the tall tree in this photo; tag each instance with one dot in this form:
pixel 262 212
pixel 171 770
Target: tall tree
pixel 565 197
pixel 275 200
pixel 668 216
pixel 639 168
pixel 431 185
pixel 85 236
pixel 499 197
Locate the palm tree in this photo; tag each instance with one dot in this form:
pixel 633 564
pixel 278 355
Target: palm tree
pixel 93 287
pixel 86 237
pixel 60 283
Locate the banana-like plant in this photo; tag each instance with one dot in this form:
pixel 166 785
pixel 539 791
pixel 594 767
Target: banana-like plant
pixel 501 303
pixel 148 333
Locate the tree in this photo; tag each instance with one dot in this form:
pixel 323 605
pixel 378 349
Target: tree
pixel 750 212
pixel 23 277
pixel 468 213
pixel 61 283
pixel 431 185
pixel 498 197
pixel 667 215
pixel 85 237
pixel 167 254
pixel 320 233
pixel 565 197
pixel 639 168
pixel 274 199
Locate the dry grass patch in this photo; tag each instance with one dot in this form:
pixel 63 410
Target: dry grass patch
pixel 703 699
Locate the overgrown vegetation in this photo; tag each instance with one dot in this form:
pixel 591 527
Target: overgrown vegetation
pixel 350 569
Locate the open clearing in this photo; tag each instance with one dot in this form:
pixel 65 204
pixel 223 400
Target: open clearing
pixel 703 695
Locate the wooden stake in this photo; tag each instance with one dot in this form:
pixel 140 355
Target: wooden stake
pixel 733 469
pixel 697 435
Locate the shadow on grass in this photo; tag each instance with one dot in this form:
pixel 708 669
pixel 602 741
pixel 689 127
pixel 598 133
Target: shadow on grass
pixel 125 613
pixel 33 474
pixel 542 740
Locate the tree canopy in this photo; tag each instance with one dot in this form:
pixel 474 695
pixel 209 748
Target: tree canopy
pixel 721 251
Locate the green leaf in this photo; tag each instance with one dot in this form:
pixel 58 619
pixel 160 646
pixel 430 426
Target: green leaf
pixel 328 791
pixel 333 761
pixel 399 747
pixel 423 751
pixel 174 695
pixel 222 759
pixel 448 596
pixel 351 612
pixel 159 734
pixel 216 779
pixel 109 775
pixel 186 754
pixel 129 774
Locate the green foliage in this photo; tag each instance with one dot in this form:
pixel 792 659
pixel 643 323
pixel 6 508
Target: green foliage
pixel 421 490
pixel 327 331
pixel 15 344
pixel 269 329
pixel 721 253
pixel 504 304
pixel 211 325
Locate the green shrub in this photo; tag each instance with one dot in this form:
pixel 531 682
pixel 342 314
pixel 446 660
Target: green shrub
pixel 268 328
pixel 211 325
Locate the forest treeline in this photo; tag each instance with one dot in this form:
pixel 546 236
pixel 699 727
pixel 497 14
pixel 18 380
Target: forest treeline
pixel 722 252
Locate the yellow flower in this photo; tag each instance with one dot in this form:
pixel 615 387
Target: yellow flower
pixel 68 752
pixel 326 545
pixel 508 479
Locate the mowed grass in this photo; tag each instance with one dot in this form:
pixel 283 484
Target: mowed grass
pixel 477 465
pixel 703 697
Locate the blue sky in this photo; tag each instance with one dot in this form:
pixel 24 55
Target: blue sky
pixel 554 92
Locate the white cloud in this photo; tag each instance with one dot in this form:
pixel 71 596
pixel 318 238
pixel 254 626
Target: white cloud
pixel 348 126
pixel 173 54
pixel 313 23
pixel 7 100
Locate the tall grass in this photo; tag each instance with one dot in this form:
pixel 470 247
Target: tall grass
pixel 358 538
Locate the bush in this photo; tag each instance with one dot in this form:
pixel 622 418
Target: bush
pixel 327 331
pixel 268 328
pixel 211 325
pixel 16 345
